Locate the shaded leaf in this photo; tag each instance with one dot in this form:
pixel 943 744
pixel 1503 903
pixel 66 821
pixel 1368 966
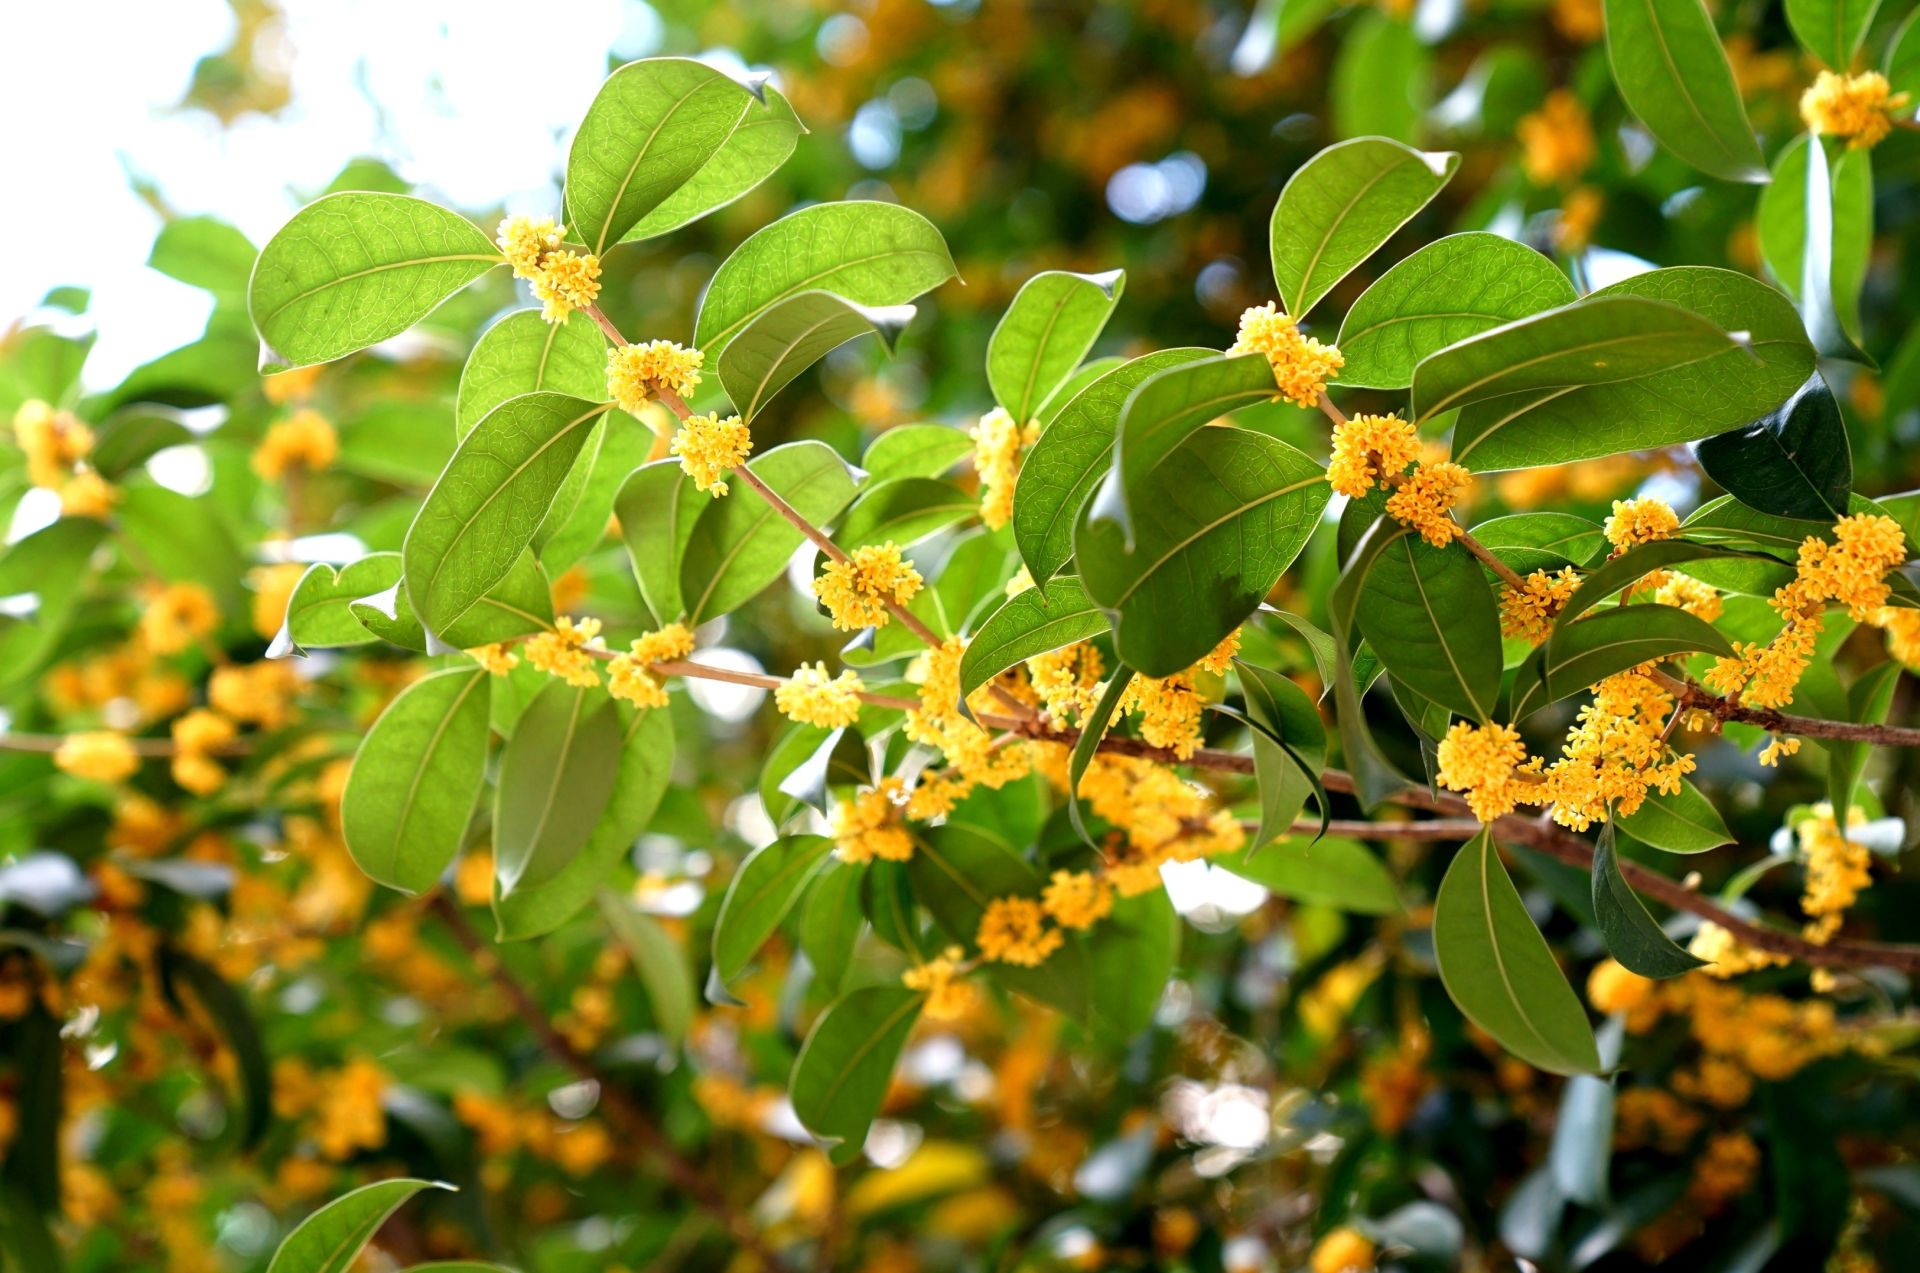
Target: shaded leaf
pixel 1792 462
pixel 330 1240
pixel 1633 937
pixel 760 895
pixel 1586 653
pixel 658 960
pixel 844 1067
pixel 557 774
pixel 791 335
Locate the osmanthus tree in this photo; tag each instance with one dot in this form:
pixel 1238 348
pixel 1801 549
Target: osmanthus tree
pixel 1206 606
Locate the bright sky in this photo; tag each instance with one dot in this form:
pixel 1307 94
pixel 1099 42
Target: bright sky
pixel 475 100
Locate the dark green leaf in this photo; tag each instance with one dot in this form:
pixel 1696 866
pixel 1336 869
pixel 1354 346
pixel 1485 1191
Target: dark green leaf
pixel 762 891
pixel 1685 822
pixel 1633 938
pixel 846 1063
pixel 1375 777
pixel 1792 462
pixel 557 774
pixel 1142 935
pixel 1586 653
pixel 330 1240
pixel 227 1009
pixel 1868 701
pixel 1431 617
pixel 1168 408
pixel 1674 75
pixel 1831 30
pixel 1289 749
pixel 1093 727
pixel 831 922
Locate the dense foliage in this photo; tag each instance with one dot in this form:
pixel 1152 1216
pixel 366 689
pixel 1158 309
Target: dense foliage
pixel 769 757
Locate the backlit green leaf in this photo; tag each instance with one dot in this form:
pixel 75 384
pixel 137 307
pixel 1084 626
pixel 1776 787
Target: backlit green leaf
pixel 791 335
pixel 1781 221
pixel 557 775
pixel 1674 75
pixel 416 778
pixel 740 545
pixel 1053 320
pixel 658 507
pixel 752 152
pixel 330 1240
pixel 915 450
pixel 1832 30
pixel 524 353
pixel 1048 617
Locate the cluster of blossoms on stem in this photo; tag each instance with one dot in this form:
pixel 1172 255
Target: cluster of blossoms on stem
pixel 811 697
pixel 176 616
pixel 1376 449
pixel 1527 612
pixel 942 981
pixel 57 446
pixel 566 651
pixel 859 590
pixel 1301 365
pixel 562 279
pixel 101 755
pixel 1556 140
pixel 1858 108
pixel 710 447
pixel 870 825
pixel 197 737
pixel 1425 501
pixel 305 439
pixel 630 676
pixel 998 444
pixel 1837 870
pixel 1014 930
pixel 636 373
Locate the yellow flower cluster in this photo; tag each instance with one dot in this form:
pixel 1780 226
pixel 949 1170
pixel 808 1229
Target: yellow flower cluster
pixel 869 826
pixel 1726 955
pixel 1640 521
pixel 176 616
pixel 255 693
pixel 1067 679
pixel 196 737
pixel 1077 899
pixel 636 372
pixel 1579 216
pixel 102 756
pixel 998 442
pixel 1301 365
pixel 949 996
pixel 347 1117
pixel 1483 763
pixel 1158 817
pixel 1369 449
pixel 1684 592
pixel 856 591
pixel 1582 21
pixel 1837 870
pixel 87 494
pixel 1014 930
pixel 57 445
pixel 811 697
pixel 1741 1036
pixel 563 280
pixel 1902 626
pixel 498 657
pixel 630 676
pixel 709 448
pixel 1170 710
pixel 1859 108
pixel 1425 501
pixel 1557 140
pixel 1777 750
pixel 1220 658
pixel 305 438
pixel 937 722
pixel 1527 612
pixel 565 651
pixel 1615 753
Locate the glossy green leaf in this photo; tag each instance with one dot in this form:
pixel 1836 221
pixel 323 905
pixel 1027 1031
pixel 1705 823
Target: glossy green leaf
pixel 520 604
pixel 658 507
pixel 1781 222
pixel 1607 579
pixel 524 353
pixel 1831 271
pixel 1632 935
pixel 318 614
pixel 1228 513
pixel 227 1009
pixel 1341 206
pixel 830 922
pixel 1059 474
pixel 1289 749
pixel 1792 462
pixel 1093 728
pixel 1451 289
pixel 1499 970
pixel 1542 541
pixel 1054 319
pixel 490 500
pixel 754 151
pixel 1674 75
pixel 1555 426
pixel 1382 80
pixel 1586 653
pixel 625 444
pixel 915 450
pixel 352 269
pixel 1168 408
pixel 1868 701
pixel 1048 617
pixel 1597 341
pixel 1331 871
pixel 1141 935
pixel 1431 617
pixel 740 545
pixel 659 962
pixel 1684 822
pixel 652 126
pixel 646 762
pixel 416 778
pixel 843 1069
pixel 557 774
pixel 1376 779
pixel 871 253
pixel 760 895
pixel 904 510
pixel 330 1240
pixel 791 335
pixel 1831 30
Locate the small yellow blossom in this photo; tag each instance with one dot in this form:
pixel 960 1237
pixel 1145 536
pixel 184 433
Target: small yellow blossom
pixel 1171 710
pixel 1902 626
pixel 272 589
pixel 856 591
pixel 567 281
pixel 1021 582
pixel 998 441
pixel 1014 931
pixel 1837 870
pixel 1640 521
pixel 1612 988
pixel 1527 612
pixel 1615 753
pixel 525 241
pixel 255 693
pixel 635 372
pixel 868 826
pixel 949 997
pixel 709 448
pixel 631 676
pixel 1077 899
pixel 1425 501
pixel 1220 658
pixel 103 756
pixel 1068 679
pixel 1301 365
pixel 497 657
pixel 1369 449
pixel 306 438
pixel 1774 752
pixel 1858 108
pixel 177 615
pixel 348 1117
pixel 1343 1250
pixel 1482 762
pixel 1579 215
pixel 87 494
pixel 1687 593
pixel 1557 139
pixel 811 697
pixel 54 441
pixel 196 736
pixel 564 651
pixel 1582 21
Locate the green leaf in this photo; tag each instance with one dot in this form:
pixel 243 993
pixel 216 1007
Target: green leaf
pixel 229 1012
pixel 1685 822
pixel 1586 653
pixel 1781 222
pixel 1275 27
pixel 1636 563
pixel 1075 452
pixel 524 353
pixel 651 127
pixel 1451 289
pixel 1596 341
pixel 1792 462
pixel 1633 937
pixel 318 616
pixel 1341 206
pixel 1221 519
pixel 490 500
pixel 1832 30
pixel 870 253
pixel 915 450
pixel 519 604
pixel 1868 701
pixel 1382 80
pixel 904 510
pixel 1054 319
pixel 625 444
pixel 1167 409
pixel 843 1069
pixel 206 253
pixel 557 774
pixel 830 922
pixel 791 335
pixel 1829 298
pixel 1141 935
pixel 659 961
pixel 330 1240
pixel 1048 617
pixel 1376 779
pixel 55 564
pixel 1674 75
pixel 1498 969
pixel 1557 426
pixel 183 537
pixel 1903 56
pixel 1093 728
pixel 752 152
pixel 352 269
pixel 646 762
pixel 1431 617
pixel 1542 541
pixel 1289 750
pixel 1331 871
pixel 740 545
pixel 760 895
pixel 658 507
pixel 135 434
pixel 416 778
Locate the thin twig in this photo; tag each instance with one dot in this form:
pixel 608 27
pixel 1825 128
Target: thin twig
pixel 1692 697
